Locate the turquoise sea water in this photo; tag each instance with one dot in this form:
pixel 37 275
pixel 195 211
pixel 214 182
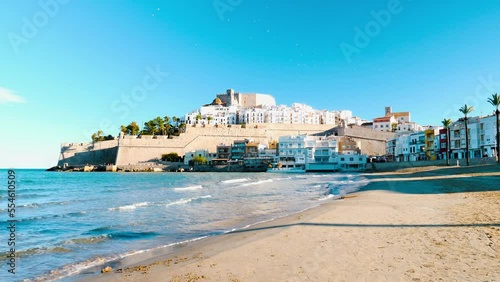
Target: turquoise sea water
pixel 70 222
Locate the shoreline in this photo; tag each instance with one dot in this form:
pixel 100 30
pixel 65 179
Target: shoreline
pixel 214 258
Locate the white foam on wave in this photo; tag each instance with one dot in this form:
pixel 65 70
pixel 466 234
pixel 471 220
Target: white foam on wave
pixel 186 201
pixel 237 180
pixel 327 197
pixel 76 268
pixel 130 207
pixel 257 183
pixel 285 178
pixel 189 188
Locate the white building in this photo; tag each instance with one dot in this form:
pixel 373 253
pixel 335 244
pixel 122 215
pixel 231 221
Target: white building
pixel 384 123
pixel 487 136
pixel 252 115
pixel 292 151
pixel 242 108
pixel 408 127
pixel 318 153
pixel 188 156
pixel 417 146
pixel 402 150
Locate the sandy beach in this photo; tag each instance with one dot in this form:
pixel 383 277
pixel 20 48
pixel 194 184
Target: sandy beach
pixel 425 224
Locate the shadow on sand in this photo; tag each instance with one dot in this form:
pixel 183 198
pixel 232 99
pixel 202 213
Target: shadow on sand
pixel 351 225
pixel 438 181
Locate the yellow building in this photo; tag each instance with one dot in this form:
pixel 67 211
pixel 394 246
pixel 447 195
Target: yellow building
pixel 430 136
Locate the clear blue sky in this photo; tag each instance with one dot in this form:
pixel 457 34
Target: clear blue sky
pixel 67 69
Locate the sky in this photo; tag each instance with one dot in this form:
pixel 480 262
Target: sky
pixel 70 67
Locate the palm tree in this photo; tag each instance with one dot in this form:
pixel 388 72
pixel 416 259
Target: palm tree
pixel 466 110
pixel 495 101
pixel 446 123
pixel 150 128
pixel 133 128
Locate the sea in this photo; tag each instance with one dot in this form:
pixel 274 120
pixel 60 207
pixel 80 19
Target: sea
pixel 70 222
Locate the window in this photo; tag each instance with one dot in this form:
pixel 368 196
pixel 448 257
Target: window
pixel 342 159
pixel 351 159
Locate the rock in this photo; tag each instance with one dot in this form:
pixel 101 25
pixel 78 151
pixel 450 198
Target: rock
pixel 106 269
pixel 54 168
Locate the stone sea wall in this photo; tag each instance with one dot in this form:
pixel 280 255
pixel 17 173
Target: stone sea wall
pixel 132 150
pixel 104 152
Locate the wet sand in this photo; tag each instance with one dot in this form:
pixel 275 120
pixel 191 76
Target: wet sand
pixel 421 224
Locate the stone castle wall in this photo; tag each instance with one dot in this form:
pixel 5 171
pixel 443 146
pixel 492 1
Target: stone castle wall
pixel 365 133
pixel 132 150
pixel 103 152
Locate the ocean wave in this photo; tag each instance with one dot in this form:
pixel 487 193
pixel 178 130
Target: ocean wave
pixel 39 205
pixel 88 240
pixel 284 178
pixel 186 201
pixel 130 207
pixel 128 235
pixel 189 188
pixel 44 217
pixel 257 183
pixel 34 195
pixel 237 180
pixel 327 197
pixel 76 268
pixel 38 251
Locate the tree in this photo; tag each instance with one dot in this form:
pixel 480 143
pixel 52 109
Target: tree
pixel 96 137
pixel 210 118
pixel 495 101
pixel 170 157
pixel 133 128
pixel 160 125
pixel 446 124
pixel 199 160
pixel 198 117
pixel 466 110
pixel 168 126
pixel 182 127
pixel 176 121
pixel 150 128
pixel 394 127
pixel 109 137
